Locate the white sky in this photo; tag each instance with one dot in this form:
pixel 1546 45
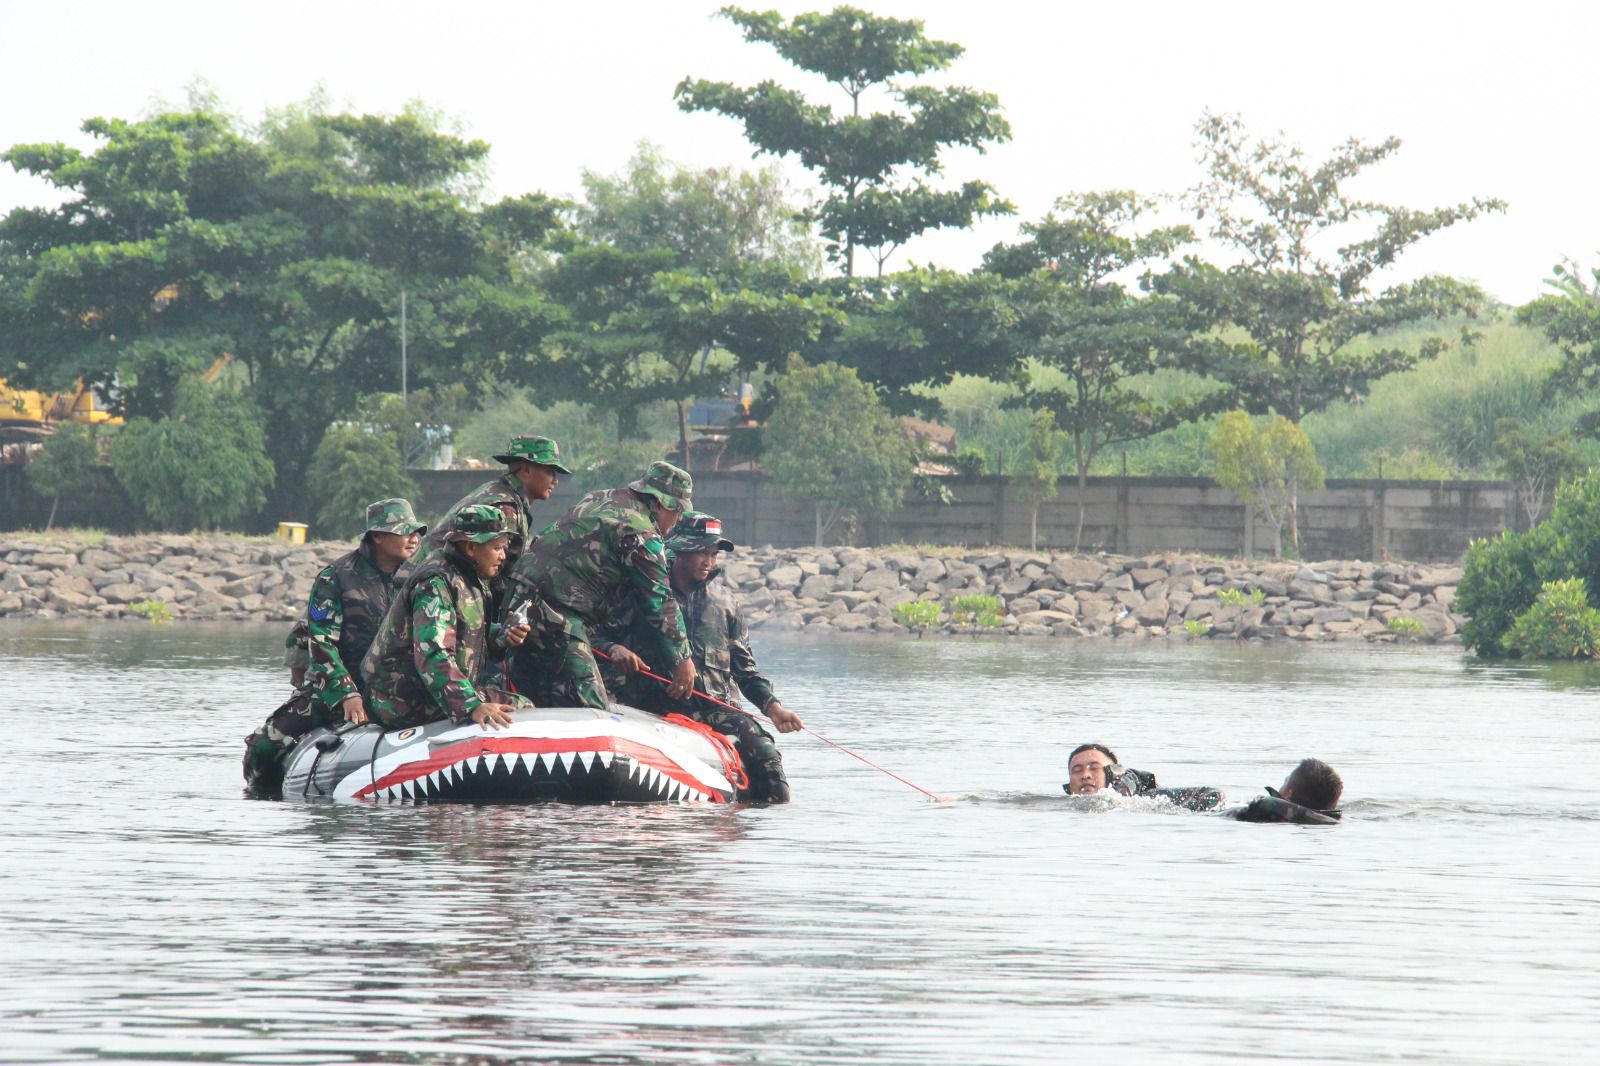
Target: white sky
pixel 1490 99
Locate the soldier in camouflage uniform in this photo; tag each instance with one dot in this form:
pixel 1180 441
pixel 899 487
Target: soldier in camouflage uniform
pixel 721 647
pixel 533 469
pixel 347 603
pixel 582 570
pixel 428 659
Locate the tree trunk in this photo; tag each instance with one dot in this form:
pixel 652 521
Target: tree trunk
pixel 51 521
pixel 817 543
pixel 1033 529
pixel 683 434
pixel 1083 488
pixel 1294 518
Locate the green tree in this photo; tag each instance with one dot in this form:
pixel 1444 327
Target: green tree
pixel 831 442
pixel 185 237
pixel 1039 476
pixel 202 466
pixel 1263 465
pixel 677 277
pixel 1570 316
pixel 871 165
pixel 1292 306
pixel 1535 463
pixel 353 466
pixel 64 465
pixel 1080 324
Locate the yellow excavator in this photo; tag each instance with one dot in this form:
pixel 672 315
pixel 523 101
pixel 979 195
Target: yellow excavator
pixel 28 415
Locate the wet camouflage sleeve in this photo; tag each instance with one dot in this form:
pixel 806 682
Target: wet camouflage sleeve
pixel 433 648
pixel 325 625
pixel 644 560
pixel 756 688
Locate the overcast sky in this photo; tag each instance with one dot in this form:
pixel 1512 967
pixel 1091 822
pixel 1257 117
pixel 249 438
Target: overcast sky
pixel 1493 100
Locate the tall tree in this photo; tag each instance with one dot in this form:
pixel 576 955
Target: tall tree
pixel 871 164
pixel 1040 476
pixel 1309 253
pixel 831 442
pixel 1080 324
pixel 185 238
pixel 1303 288
pixel 675 278
pixel 1263 464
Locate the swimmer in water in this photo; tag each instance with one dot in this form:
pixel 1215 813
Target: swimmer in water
pixel 1094 768
pixel 1308 796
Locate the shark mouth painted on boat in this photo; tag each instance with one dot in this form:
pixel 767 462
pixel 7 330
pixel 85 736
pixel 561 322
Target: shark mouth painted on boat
pixel 567 754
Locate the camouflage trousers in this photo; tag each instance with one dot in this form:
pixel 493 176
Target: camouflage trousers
pixel 556 667
pixel 267 748
pixel 758 751
pixel 763 763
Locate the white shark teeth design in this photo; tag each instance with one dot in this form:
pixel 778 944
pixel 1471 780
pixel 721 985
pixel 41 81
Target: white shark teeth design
pixel 560 759
pixel 605 758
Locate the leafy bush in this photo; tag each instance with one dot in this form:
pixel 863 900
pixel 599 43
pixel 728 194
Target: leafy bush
pixel 64 465
pixel 1559 625
pixel 204 465
pixel 1503 575
pixel 1239 597
pixel 156 611
pixel 976 611
pixel 1405 626
pixel 917 614
pixel 1197 627
pixel 352 467
pixel 971 462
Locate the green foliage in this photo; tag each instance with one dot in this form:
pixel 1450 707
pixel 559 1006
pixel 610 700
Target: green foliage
pixel 1560 625
pixel 971 462
pixel 917 614
pixel 185 237
pixel 830 441
pixel 1266 466
pixel 155 611
pixel 714 221
pixel 353 466
pixel 64 465
pixel 1405 626
pixel 977 611
pixel 1570 316
pixel 1502 576
pixel 1303 291
pixel 1038 476
pixel 1196 627
pixel 1239 597
pixel 871 165
pixel 205 465
pixel 1535 463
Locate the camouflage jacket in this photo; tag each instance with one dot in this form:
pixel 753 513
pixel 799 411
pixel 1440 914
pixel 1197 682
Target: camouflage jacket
pixel 717 638
pixel 348 601
pixel 428 658
pixel 504 492
pixel 593 559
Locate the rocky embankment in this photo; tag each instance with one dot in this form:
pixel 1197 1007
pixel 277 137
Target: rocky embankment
pixel 816 589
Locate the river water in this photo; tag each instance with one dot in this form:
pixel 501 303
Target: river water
pixel 148 912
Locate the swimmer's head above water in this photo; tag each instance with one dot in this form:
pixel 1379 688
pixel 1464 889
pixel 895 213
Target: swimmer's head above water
pixel 1087 768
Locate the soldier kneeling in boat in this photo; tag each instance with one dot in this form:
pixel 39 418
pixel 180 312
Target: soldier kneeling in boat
pixel 348 600
pixel 723 660
pixel 429 657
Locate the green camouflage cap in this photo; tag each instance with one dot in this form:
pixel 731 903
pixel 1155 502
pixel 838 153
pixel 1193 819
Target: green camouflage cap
pixel 479 523
pixel 697 531
pixel 541 450
pixel 393 516
pixel 667 483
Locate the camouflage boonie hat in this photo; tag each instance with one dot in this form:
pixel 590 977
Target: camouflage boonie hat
pixel 479 523
pixel 393 516
pixel 697 531
pixel 541 450
pixel 667 483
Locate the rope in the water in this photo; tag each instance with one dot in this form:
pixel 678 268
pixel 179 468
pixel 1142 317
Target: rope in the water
pixel 724 703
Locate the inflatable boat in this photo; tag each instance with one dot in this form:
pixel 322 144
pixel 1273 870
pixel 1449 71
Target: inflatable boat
pixel 565 754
